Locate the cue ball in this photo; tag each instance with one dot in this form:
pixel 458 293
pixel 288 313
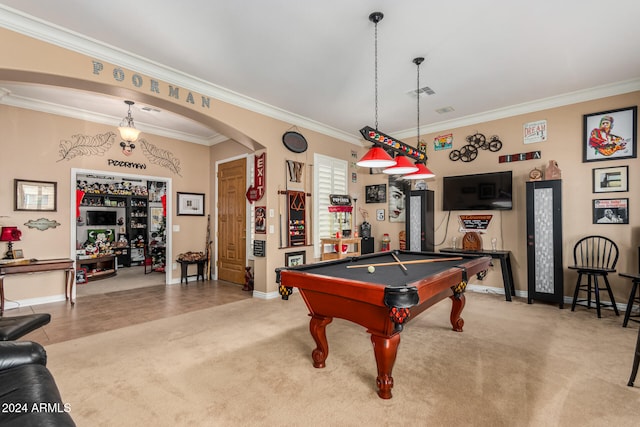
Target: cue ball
pixel 371 269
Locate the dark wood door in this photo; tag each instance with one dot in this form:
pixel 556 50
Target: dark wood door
pixel 232 221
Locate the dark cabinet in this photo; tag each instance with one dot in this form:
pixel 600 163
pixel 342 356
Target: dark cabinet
pixel 544 242
pixel 419 221
pixel 138 219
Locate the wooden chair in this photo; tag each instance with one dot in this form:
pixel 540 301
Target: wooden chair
pixel 594 257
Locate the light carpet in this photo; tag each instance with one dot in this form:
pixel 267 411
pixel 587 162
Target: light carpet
pixel 248 363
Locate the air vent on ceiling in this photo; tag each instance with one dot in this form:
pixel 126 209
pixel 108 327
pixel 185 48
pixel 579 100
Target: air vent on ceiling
pixel 444 110
pixel 422 91
pixel 150 109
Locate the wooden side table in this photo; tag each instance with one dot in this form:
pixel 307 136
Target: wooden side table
pixel 352 244
pixel 184 265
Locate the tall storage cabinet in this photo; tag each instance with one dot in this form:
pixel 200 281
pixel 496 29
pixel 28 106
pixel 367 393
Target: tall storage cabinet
pixel 544 241
pixel 419 221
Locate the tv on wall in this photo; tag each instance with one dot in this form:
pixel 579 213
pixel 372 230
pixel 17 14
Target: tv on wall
pixel 485 191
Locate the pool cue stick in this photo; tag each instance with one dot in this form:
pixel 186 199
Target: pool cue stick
pixel 417 261
pixel 402 266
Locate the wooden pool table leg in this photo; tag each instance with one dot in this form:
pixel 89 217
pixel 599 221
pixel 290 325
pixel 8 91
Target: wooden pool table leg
pixel 457 304
pixel 385 350
pixel 317 327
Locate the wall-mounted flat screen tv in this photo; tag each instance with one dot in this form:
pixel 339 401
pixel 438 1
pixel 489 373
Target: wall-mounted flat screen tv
pixel 485 191
pixel 101 217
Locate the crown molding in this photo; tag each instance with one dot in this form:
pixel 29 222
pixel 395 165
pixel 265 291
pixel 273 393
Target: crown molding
pixel 39 29
pixel 570 98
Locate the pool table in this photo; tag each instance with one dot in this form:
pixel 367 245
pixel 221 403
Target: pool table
pixel 402 285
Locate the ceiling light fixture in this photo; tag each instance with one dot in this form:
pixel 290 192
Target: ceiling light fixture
pixel 128 131
pixel 376 157
pixel 422 171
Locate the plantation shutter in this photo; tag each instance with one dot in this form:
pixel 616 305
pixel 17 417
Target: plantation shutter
pixel 330 177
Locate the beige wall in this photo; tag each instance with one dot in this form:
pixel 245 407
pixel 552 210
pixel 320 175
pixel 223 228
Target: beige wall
pixel 31 141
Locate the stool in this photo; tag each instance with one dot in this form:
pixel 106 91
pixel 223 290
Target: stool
pixel 184 265
pixel 634 296
pixel 12 328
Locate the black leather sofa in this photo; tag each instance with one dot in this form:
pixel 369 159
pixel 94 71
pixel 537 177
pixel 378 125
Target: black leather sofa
pixel 29 395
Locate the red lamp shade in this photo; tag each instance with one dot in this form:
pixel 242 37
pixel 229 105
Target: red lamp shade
pixel 423 172
pixel 376 157
pixel 10 234
pixel 403 166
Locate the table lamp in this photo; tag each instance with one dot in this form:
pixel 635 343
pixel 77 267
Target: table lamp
pixel 10 234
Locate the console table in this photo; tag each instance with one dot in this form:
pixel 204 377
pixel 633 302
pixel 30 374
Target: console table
pixel 505 265
pixel 37 266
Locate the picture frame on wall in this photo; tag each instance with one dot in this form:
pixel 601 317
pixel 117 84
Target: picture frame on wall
pixel 261 219
pixel 376 193
pixel 380 214
pixel 610 135
pixel 610 180
pixel 292 259
pixel 190 204
pixel 35 195
pixel 611 211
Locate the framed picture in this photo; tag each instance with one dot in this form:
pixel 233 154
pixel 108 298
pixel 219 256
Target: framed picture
pixel 376 193
pixel 191 204
pixel 380 214
pixel 261 219
pixel 35 195
pixel 609 180
pixel 17 253
pixel 610 135
pixel 292 259
pixel 611 211
pixel 81 275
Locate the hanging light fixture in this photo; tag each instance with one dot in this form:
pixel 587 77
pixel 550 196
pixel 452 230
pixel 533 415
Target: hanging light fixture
pixel 128 131
pixel 376 157
pixel 422 171
pixel 403 166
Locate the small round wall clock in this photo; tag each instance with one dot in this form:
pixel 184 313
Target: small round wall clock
pixel 294 141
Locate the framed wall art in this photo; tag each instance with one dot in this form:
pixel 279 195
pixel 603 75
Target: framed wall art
pixel 611 211
pixel 35 195
pixel 610 135
pixel 261 219
pixel 376 193
pixel 191 204
pixel 380 214
pixel 609 180
pixel 292 259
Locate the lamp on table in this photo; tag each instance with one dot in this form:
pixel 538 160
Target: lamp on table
pixel 10 234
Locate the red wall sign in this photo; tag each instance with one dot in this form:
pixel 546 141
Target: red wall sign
pixel 256 191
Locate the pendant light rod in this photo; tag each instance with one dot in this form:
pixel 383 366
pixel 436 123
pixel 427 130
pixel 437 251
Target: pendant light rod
pixel 418 61
pixel 376 17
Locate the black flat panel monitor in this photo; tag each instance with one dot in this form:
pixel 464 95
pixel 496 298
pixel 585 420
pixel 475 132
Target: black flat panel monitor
pixel 485 191
pixel 101 217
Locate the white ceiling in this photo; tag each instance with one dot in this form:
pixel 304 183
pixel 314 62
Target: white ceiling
pixel 312 61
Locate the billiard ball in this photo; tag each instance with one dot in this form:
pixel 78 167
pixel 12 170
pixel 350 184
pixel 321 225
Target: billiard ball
pixel 371 269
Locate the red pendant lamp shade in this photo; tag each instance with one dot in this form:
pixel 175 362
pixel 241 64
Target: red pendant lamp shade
pixel 376 157
pixel 403 166
pixel 423 172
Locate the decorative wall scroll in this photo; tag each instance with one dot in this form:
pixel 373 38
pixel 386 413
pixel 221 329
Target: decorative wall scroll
pixel 42 224
pixel 160 157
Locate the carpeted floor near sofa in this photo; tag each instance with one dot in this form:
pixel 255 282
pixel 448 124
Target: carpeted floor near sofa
pixel 248 363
